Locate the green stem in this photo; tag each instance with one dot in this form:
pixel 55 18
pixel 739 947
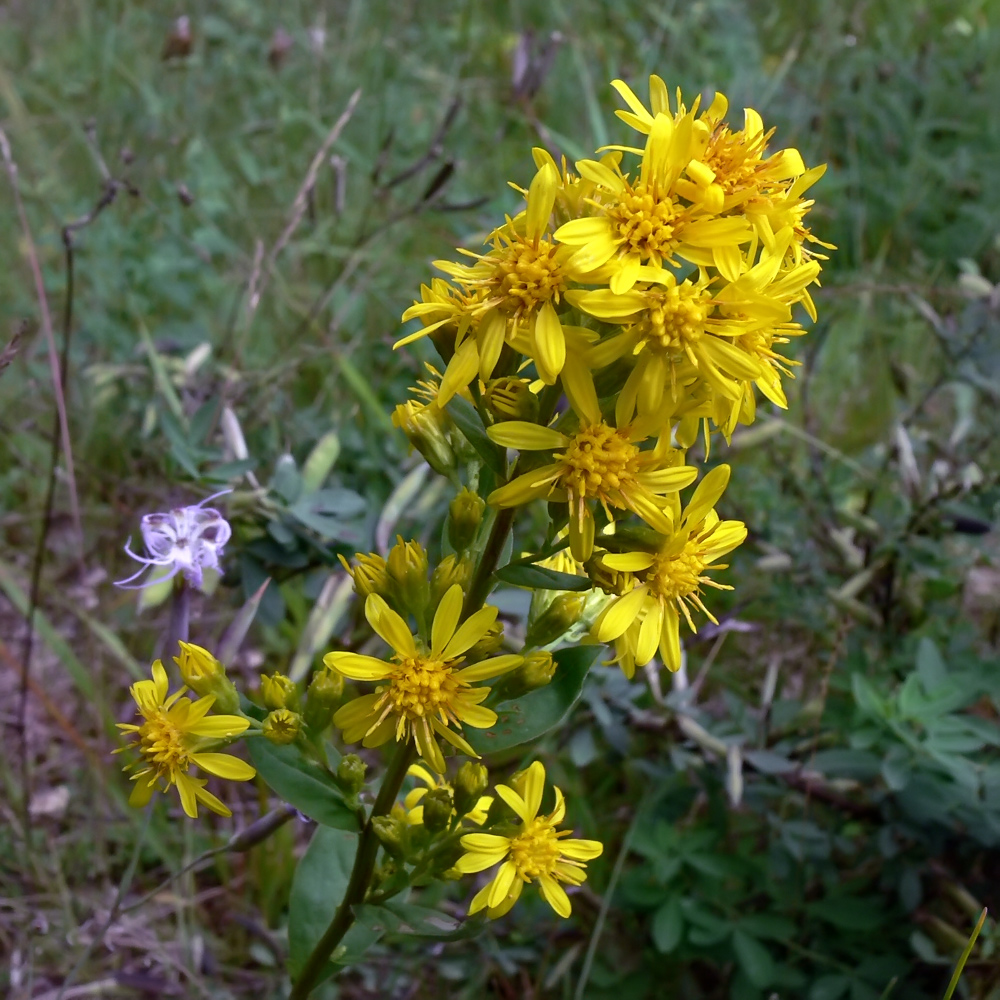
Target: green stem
pixel 479 588
pixel 361 874
pixel 368 844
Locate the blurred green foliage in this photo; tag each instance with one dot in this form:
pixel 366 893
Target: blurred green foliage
pixel 816 812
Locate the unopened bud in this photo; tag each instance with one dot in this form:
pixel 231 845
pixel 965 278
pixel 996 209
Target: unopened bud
pixel 450 571
pixel 470 782
pixel 407 566
pixel 511 398
pixel 465 515
pixel 488 645
pixel 391 833
pixel 438 807
pixel 324 693
pixel 369 573
pixel 535 672
pixel 279 691
pixel 351 773
pixel 556 620
pixel 282 726
pixel 611 581
pixel 205 675
pixel 426 426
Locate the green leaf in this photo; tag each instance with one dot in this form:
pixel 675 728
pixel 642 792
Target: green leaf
pixel 866 696
pixel 540 578
pixel 320 461
pixel 754 959
pixel 286 481
pixel 467 420
pixel 301 783
pixel 538 711
pixel 930 666
pixel 668 926
pixel 425 921
pixel 157 588
pixel 830 987
pixel 849 913
pixel 318 887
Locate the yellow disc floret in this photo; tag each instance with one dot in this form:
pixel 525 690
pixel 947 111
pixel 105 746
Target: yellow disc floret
pixel 527 273
pixel 647 224
pixel 675 317
pixel 599 460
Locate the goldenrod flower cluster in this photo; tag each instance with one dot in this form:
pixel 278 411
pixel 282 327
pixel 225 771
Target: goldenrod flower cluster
pixel 637 301
pixel 638 298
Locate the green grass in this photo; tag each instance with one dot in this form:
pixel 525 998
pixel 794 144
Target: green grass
pixel 791 891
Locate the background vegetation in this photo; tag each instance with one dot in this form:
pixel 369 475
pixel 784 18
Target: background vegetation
pixel 815 811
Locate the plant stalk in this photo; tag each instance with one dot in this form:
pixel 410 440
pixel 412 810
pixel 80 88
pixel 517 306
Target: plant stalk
pixel 479 587
pixel 404 755
pixel 361 874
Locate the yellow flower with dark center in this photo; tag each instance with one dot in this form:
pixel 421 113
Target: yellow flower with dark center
pixel 599 462
pixel 661 586
pixel 509 294
pixel 414 797
pixel 422 692
pixel 176 734
pixel 536 851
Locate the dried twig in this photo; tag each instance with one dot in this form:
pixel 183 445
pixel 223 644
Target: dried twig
pixel 50 340
pixel 301 203
pixel 8 354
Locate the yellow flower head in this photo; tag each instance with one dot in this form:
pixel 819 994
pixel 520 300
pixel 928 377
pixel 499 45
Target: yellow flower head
pixel 423 691
pixel 509 295
pixel 599 462
pixel 176 734
pixel 660 586
pixel 647 221
pixel 536 851
pixel 412 801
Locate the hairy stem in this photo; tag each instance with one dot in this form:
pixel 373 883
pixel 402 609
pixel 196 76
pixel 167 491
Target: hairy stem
pixel 361 874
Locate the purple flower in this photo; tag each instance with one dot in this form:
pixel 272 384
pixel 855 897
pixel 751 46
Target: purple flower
pixel 186 539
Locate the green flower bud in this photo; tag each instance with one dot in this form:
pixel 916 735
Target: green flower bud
pixel 556 620
pixel 205 675
pixel 407 566
pixel 392 835
pixel 369 574
pixel 427 426
pixel 324 693
pixel 279 691
pixel 351 773
pixel 282 726
pixel 488 645
pixel 535 672
pixel 438 809
pixel 470 783
pixel 611 581
pixel 447 573
pixel 465 515
pixel 511 398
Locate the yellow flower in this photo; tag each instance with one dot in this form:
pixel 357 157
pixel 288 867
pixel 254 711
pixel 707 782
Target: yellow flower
pixel 423 692
pixel 509 294
pixel 660 586
pixel 415 811
pixel 646 220
pixel 684 330
pixel 537 851
pixel 598 462
pixel 178 732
